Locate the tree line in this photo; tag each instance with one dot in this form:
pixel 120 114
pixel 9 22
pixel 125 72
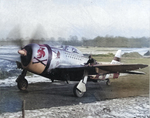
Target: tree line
pixel 99 41
pixel 110 41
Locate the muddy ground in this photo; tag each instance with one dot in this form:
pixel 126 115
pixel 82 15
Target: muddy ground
pixel 47 95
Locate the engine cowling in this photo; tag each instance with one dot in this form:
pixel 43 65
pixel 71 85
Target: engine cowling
pixel 36 58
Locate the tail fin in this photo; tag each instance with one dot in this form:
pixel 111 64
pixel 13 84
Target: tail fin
pixel 117 58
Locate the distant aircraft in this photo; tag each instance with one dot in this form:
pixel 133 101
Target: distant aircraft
pixel 67 63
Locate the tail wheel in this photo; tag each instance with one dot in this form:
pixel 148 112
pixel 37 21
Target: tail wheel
pixel 76 92
pixel 108 83
pixel 22 84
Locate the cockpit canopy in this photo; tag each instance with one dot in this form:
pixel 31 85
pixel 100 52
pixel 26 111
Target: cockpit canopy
pixel 71 49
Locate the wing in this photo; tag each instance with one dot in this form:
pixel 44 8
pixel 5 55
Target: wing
pixel 104 69
pixel 121 68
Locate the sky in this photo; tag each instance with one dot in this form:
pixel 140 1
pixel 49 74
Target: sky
pixel 81 18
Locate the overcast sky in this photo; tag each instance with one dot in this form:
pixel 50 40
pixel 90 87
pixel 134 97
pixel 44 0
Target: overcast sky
pixel 83 18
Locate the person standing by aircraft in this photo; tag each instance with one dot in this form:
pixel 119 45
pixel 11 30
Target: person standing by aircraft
pixel 91 61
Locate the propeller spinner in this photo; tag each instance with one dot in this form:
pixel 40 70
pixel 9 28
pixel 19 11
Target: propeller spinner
pixel 22 52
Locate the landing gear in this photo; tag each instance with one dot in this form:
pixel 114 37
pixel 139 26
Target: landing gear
pixel 22 83
pixel 77 92
pixel 108 83
pixel 80 88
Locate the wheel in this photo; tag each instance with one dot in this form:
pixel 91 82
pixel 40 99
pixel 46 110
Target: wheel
pixel 108 82
pixel 22 84
pixel 76 92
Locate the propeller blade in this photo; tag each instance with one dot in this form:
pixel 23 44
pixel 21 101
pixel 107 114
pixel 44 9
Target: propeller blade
pixel 39 35
pixel 15 37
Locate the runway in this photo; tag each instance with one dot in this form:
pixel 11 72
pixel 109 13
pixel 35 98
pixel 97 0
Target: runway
pixel 47 95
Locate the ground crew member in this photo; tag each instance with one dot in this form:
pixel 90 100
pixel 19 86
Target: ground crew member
pixel 91 61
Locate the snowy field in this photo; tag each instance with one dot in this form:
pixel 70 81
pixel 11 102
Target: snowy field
pixel 11 81
pixel 133 107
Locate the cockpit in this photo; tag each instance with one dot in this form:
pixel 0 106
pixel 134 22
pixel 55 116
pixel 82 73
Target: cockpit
pixel 71 49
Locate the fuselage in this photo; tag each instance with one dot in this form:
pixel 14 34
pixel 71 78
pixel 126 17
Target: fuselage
pixel 44 59
pixel 66 55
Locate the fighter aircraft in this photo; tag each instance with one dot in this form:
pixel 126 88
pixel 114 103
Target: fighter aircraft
pixel 67 63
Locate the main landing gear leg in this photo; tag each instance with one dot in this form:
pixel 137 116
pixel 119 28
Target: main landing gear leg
pixel 80 88
pixel 22 83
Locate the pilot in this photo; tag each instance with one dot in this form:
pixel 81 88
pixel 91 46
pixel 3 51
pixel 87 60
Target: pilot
pixel 91 61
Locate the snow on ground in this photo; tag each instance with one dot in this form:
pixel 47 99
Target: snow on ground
pixel 11 81
pixel 133 107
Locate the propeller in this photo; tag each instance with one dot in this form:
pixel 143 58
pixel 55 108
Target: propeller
pixel 24 54
pixel 39 35
pixel 15 37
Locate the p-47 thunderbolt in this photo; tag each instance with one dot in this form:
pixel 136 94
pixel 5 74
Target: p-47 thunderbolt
pixel 67 63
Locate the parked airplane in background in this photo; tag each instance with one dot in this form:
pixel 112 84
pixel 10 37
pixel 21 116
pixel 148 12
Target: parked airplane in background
pixel 67 63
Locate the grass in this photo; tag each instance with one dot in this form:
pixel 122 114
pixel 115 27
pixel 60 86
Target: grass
pixel 130 85
pixel 104 55
pixel 110 56
pixel 136 60
pixel 141 80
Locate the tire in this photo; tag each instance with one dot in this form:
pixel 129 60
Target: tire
pixel 22 84
pixel 76 92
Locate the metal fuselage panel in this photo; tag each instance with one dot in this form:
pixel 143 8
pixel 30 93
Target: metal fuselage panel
pixel 63 57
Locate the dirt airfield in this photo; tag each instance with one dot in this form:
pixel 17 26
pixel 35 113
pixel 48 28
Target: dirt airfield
pixel 46 95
